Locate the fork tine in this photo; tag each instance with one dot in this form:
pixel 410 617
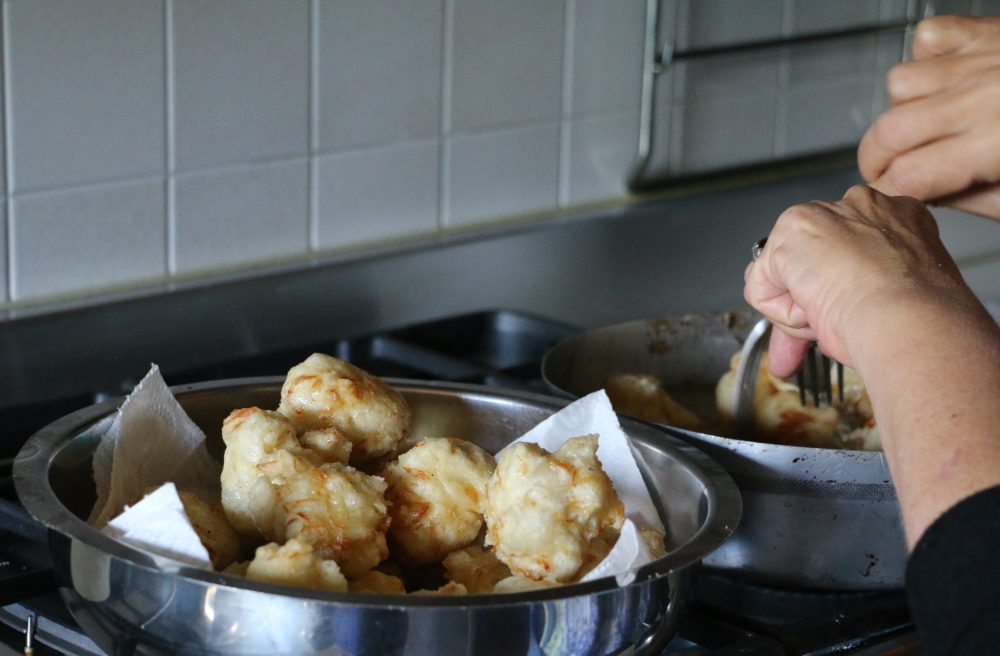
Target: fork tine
pixel 813 375
pixel 800 380
pixel 827 382
pixel 840 382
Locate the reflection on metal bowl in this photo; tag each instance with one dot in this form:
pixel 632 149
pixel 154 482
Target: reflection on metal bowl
pixel 816 518
pixel 126 603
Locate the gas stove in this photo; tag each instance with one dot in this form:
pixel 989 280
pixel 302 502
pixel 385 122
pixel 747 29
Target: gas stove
pixel 495 348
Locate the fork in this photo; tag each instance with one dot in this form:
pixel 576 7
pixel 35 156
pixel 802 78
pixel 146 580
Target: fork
pixel 814 372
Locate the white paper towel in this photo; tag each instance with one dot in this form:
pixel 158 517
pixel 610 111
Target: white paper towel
pixel 594 414
pixel 150 442
pixel 158 524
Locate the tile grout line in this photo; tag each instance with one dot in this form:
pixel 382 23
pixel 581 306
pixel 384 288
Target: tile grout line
pixel 8 151
pixel 312 128
pixel 566 105
pixel 444 158
pixel 169 152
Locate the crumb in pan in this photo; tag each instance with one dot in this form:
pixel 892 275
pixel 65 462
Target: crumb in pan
pixel 478 569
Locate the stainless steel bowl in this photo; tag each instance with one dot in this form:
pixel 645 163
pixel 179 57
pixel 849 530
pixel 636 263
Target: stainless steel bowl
pixel 814 518
pixel 126 602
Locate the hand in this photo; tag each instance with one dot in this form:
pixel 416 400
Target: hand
pixel 941 139
pixel 828 267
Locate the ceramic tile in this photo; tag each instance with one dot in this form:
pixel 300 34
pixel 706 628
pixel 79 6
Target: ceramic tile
pixel 892 11
pixel 500 174
pixel 87 91
pixel 988 8
pixel 602 153
pixel 726 77
pixel 845 107
pixel 377 194
pixel 708 23
pixel 236 216
pixel 506 63
pixel 813 16
pixel 70 241
pixel 240 81
pixel 607 57
pixel 722 134
pixel 379 71
pixel 810 64
pixel 959 7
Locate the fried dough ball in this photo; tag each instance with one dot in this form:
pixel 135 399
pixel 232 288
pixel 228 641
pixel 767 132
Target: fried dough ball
pixel 543 509
pixel 654 541
pixel 209 521
pixel 376 582
pixel 437 494
pixel 329 443
pixel 781 417
pixel 518 583
pixel 336 509
pixel 253 437
pixel 596 551
pixel 294 563
pixel 238 568
pixel 449 588
pixel 476 568
pixel 643 397
pixel 324 392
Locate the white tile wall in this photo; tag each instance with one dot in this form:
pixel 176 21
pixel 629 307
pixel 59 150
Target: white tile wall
pixel 236 216
pixel 152 137
pixel 368 195
pixel 482 169
pixel 85 91
pixel 506 63
pixel 87 237
pixel 240 81
pixel 606 57
pixel 398 44
pixel 601 151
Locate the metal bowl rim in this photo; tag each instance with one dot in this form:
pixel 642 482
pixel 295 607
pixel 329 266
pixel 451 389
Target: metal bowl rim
pixel 31 467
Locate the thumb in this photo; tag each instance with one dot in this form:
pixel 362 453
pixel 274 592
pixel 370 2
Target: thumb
pixel 785 353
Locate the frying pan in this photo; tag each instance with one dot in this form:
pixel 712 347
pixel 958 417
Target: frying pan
pixel 130 603
pixel 812 517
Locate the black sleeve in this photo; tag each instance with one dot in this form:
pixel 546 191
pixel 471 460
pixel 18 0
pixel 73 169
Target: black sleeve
pixel 953 578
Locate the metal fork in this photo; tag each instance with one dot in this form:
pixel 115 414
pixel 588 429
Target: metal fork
pixel 814 374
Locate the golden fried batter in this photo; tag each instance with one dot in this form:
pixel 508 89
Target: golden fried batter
pixel 437 492
pixel 376 582
pixel 543 509
pixel 294 563
pixel 781 418
pixel 336 509
pixel 253 437
pixel 643 397
pixel 476 568
pixel 518 583
pixel 324 392
pixel 209 521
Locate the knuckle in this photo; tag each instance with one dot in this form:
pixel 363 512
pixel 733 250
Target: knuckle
pixel 899 82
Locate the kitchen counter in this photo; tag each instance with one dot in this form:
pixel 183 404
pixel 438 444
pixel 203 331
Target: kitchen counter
pixel 680 253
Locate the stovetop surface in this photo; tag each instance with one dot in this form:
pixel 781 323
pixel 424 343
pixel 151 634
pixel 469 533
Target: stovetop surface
pixel 497 348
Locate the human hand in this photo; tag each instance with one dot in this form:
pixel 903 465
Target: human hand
pixel 940 141
pixel 829 267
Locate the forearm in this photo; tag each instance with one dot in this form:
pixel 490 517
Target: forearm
pixel 932 368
